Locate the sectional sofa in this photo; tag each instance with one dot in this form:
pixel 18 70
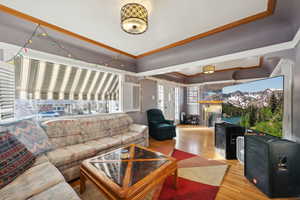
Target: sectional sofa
pixel 73 140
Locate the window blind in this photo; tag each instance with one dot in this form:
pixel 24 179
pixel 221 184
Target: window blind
pixel 192 95
pixel 7 91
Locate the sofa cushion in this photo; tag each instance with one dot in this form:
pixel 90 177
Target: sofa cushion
pixel 119 124
pixel 63 132
pixel 40 160
pixel 93 128
pixel 15 159
pixel 65 155
pixel 30 134
pixel 130 137
pixel 71 172
pixel 61 191
pixel 103 143
pixel 34 181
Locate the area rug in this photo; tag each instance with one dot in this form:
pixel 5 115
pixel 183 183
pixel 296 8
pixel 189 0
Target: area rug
pixel 198 179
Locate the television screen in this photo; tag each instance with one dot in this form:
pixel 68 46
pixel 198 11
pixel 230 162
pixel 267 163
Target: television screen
pixel 256 105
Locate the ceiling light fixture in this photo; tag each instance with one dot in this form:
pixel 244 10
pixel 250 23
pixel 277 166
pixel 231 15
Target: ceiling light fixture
pixel 134 18
pixel 209 69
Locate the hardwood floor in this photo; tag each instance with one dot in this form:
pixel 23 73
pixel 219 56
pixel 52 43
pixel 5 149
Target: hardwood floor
pixel 200 140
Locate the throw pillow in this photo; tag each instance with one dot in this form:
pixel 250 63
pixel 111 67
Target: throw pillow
pixel 15 159
pixel 28 132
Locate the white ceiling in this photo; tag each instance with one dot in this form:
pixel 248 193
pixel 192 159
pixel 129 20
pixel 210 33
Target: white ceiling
pixel 169 21
pixel 243 63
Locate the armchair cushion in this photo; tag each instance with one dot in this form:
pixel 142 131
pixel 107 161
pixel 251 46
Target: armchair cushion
pixel 164 126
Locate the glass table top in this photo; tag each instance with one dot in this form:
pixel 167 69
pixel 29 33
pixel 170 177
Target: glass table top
pixel 129 165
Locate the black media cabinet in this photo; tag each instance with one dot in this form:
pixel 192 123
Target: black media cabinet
pixel 225 139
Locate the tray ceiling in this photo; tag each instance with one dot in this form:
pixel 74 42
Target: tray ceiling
pixel 244 63
pixel 170 21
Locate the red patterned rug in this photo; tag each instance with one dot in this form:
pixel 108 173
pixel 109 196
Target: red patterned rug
pixel 198 179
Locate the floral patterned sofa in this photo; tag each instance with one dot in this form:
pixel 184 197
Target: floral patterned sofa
pixel 76 139
pixel 73 140
pixel 42 181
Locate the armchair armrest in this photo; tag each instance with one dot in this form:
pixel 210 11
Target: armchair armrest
pixel 153 123
pixel 171 122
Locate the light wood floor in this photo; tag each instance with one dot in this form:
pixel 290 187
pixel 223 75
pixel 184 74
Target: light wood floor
pixel 200 140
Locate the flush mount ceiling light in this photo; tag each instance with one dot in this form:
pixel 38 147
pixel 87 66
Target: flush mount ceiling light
pixel 134 18
pixel 209 69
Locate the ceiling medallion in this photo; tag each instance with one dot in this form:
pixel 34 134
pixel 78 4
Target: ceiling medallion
pixel 209 69
pixel 134 18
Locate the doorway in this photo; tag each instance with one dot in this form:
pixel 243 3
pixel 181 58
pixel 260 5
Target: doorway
pixel 169 101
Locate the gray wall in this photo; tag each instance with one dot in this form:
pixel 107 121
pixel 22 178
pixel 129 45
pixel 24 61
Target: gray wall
pixel 149 100
pixel 17 31
pixel 296 96
pixel 280 27
pixel 245 37
pixel 1 55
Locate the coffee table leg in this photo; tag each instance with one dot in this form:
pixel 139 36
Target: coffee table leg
pixel 176 178
pixel 82 183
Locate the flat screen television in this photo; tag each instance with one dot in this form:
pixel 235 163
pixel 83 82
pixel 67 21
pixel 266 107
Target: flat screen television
pixel 256 105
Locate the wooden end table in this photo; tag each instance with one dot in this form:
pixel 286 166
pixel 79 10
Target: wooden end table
pixel 128 173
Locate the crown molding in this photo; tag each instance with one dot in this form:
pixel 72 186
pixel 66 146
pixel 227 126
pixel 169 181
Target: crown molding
pixel 222 70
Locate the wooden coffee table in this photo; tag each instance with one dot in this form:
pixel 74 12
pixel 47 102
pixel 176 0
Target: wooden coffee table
pixel 128 173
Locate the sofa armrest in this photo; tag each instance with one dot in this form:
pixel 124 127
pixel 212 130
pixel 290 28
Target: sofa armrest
pixel 140 129
pixel 137 128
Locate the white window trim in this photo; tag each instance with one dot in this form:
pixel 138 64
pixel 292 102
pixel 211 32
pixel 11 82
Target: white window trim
pixel 127 110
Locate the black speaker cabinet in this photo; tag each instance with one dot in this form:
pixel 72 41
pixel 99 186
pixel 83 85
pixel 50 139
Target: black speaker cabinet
pixel 225 138
pixel 273 165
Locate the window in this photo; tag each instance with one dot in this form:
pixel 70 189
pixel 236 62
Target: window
pixel 160 99
pixel 7 91
pixel 51 90
pixel 192 95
